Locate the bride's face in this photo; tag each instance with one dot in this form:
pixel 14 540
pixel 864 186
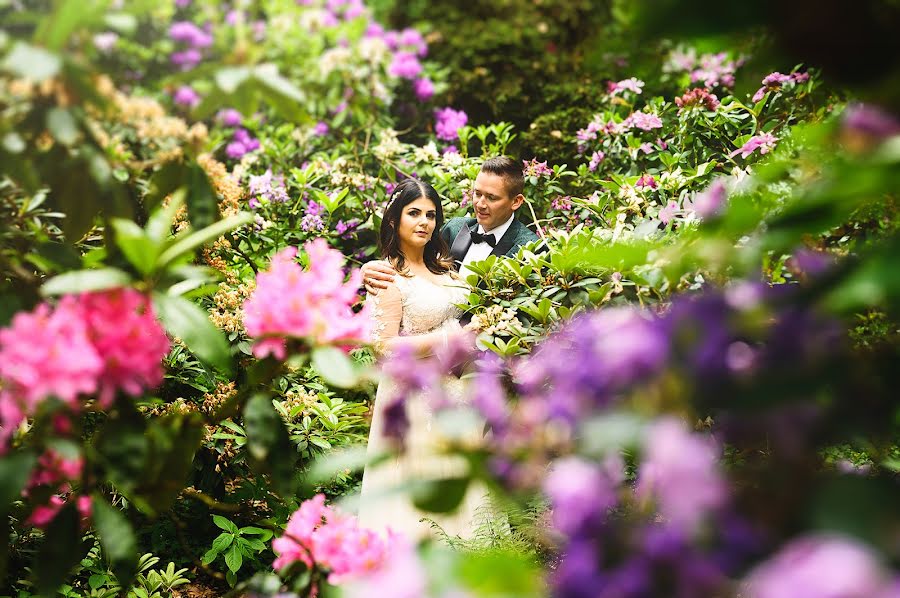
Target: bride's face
pixel 417 222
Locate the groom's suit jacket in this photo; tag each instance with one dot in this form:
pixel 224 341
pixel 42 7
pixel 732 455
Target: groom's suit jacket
pixel 457 233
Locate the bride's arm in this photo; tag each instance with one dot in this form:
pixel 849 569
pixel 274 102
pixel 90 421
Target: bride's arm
pixel 387 311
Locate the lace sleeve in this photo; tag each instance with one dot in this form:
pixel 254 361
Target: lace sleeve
pixel 387 311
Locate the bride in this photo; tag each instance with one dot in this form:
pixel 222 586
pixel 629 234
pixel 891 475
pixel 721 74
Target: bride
pixel 417 311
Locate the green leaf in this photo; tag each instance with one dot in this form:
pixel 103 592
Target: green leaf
pixel 137 247
pixel 15 470
pixel 165 181
pixel 234 559
pixel 60 551
pixel 225 524
pixel 66 17
pixel 194 240
pixel 440 496
pixel 190 322
pixel 62 125
pixel 230 78
pixel 84 281
pixel 32 62
pixel 122 22
pixel 202 202
pixel 222 542
pixel 210 556
pixel 117 539
pixel 335 366
pixel 269 445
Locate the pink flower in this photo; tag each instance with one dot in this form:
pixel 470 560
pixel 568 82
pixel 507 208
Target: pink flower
pixel 290 302
pixel 680 470
pixel 43 353
pixel 321 536
pixel 819 566
pixel 423 88
pixel 186 96
pixel 667 213
pixel 642 120
pixel 764 143
pixel 596 158
pixel 709 201
pixel 405 65
pixel 448 121
pixel 124 330
pixel 229 117
pixel 698 96
pixel 535 168
pixel 647 180
pixel 633 85
pixel 401 571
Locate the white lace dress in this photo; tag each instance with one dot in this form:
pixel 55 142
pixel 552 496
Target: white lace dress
pixel 415 306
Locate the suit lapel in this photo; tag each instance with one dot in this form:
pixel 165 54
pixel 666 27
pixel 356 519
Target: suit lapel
pixel 461 245
pixel 507 241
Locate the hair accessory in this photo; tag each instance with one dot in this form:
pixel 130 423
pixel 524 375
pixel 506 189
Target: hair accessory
pixel 392 198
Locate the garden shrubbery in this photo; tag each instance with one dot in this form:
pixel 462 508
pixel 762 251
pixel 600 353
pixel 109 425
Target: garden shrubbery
pixel 687 379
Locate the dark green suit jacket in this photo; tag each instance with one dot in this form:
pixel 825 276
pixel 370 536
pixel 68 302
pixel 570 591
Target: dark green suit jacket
pixel 456 232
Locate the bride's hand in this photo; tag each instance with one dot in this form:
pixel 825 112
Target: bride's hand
pixel 377 275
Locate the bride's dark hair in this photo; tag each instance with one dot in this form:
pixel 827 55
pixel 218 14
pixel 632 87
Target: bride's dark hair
pixel 436 252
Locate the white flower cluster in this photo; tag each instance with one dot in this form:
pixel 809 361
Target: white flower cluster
pixel 496 321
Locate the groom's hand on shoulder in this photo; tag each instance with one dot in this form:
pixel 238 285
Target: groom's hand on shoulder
pixel 377 275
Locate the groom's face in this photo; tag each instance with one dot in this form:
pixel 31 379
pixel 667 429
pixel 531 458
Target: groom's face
pixel 492 202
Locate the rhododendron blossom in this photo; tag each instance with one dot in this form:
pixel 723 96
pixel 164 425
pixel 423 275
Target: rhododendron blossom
pixel 448 122
pixel 290 302
pixel 321 536
pixel 642 120
pixel 128 338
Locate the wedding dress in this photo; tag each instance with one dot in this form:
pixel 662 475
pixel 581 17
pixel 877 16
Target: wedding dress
pixel 416 306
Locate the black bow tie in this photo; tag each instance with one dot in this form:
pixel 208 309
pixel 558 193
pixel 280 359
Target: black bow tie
pixel 488 238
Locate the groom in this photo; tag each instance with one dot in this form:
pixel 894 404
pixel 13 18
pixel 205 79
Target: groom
pixel 496 196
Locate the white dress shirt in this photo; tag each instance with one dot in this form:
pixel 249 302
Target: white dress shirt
pixel 480 251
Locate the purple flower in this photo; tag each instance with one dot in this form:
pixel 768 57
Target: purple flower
pixel 321 129
pixel 819 566
pixel 345 229
pixel 236 150
pixel 680 470
pixel 267 187
pixel 870 120
pixel 448 122
pixel 229 117
pixel 411 38
pixel 186 59
pixel 450 149
pixel 489 397
pixel 633 85
pixel 582 492
pixel 405 65
pixel 188 33
pixel 186 96
pixel 423 88
pixel 182 3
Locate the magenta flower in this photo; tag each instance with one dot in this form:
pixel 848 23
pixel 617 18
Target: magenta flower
pixel 405 65
pixel 186 59
pixel 241 144
pixel 321 129
pixel 229 117
pixel 764 143
pixel 313 304
pixel 412 39
pixel 186 96
pixel 596 158
pixel 124 330
pixel 536 169
pixel 266 187
pixel 448 122
pixel 43 353
pixel 647 180
pixel 188 33
pixel 680 471
pixel 423 88
pixel 321 536
pixel 870 120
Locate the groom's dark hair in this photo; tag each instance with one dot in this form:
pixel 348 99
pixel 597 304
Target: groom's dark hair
pixel 436 252
pixel 509 169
